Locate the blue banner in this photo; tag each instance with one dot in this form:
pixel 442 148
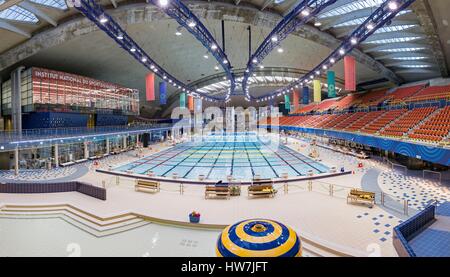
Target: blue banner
pixel 305 95
pixel 287 102
pixel 331 78
pixel 182 100
pixel 162 93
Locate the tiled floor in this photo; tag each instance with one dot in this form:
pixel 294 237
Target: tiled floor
pixel 419 192
pixel 435 240
pixel 327 220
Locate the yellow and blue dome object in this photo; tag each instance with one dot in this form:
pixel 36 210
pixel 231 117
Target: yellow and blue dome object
pixel 258 238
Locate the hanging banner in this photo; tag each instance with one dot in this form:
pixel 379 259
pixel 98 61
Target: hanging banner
pixel 287 102
pixel 350 73
pixel 305 95
pixel 191 103
pixel 162 93
pixel 317 91
pixel 150 87
pixel 198 105
pixel 182 100
pixel 295 99
pixel 331 79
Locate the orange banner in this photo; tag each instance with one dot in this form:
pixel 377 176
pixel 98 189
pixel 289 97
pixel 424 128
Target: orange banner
pixel 150 87
pixel 191 103
pixel 350 73
pixel 296 99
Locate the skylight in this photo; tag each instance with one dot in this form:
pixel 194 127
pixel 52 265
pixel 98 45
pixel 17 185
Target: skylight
pixel 351 7
pixel 360 20
pixel 18 14
pixel 57 4
pixel 405 49
pixel 395 28
pixel 415 65
pixel 392 40
pixel 416 58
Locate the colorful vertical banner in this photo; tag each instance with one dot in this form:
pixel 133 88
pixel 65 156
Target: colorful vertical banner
pixel 150 87
pixel 317 91
pixel 182 100
pixel 198 105
pixel 350 73
pixel 305 95
pixel 191 103
pixel 162 93
pixel 287 102
pixel 331 80
pixel 295 99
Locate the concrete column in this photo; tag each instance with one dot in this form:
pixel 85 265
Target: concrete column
pixel 124 142
pixel 137 139
pixel 86 150
pixel 16 99
pixel 16 161
pixel 56 155
pixel 107 146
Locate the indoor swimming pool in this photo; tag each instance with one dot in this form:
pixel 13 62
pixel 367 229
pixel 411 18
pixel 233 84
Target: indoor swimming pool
pixel 218 156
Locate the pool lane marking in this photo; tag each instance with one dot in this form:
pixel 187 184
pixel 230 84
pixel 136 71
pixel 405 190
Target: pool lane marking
pixel 294 153
pixel 217 158
pixel 157 155
pixel 206 153
pixel 276 174
pixel 248 158
pixel 279 156
pixel 192 147
pixel 171 157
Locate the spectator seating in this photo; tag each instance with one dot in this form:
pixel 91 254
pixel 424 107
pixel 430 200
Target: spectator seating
pixel 435 128
pixel 363 121
pixel 349 120
pixel 409 120
pixel 383 120
pixel 400 94
pixel 372 98
pixel 431 93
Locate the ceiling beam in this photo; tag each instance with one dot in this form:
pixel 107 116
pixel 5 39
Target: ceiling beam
pixel 423 12
pixel 46 39
pixel 8 26
pixel 266 3
pixel 36 11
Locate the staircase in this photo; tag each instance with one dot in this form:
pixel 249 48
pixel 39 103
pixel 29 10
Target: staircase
pixel 92 224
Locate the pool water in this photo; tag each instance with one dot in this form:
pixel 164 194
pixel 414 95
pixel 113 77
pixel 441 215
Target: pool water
pixel 216 157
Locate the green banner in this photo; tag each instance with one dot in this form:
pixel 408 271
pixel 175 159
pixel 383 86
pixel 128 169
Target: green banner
pixel 287 102
pixel 331 77
pixel 182 100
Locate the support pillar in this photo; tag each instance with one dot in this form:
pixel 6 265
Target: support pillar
pixel 16 99
pixel 107 146
pixel 124 142
pixel 16 161
pixel 56 155
pixel 137 139
pixel 86 150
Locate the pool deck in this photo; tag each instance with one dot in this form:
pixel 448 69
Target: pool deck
pixel 316 216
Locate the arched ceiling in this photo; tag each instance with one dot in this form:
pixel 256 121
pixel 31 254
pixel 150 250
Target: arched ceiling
pixel 49 34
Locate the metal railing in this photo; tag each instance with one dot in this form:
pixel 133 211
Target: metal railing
pixel 35 134
pixel 333 190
